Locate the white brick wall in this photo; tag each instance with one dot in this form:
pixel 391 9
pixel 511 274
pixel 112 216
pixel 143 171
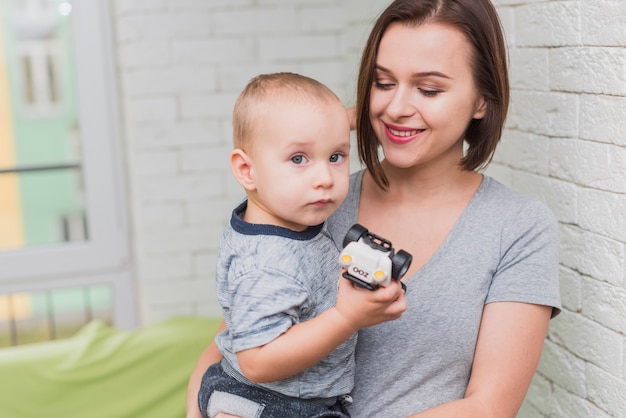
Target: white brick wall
pixel 565 142
pixel 183 62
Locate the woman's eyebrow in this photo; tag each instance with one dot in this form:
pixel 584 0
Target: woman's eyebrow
pixel 421 74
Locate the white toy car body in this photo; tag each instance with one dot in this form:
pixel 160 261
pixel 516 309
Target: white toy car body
pixel 370 260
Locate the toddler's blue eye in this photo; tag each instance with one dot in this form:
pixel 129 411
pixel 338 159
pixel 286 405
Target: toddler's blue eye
pixel 298 159
pixel 335 158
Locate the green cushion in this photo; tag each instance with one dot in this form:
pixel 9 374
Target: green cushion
pixel 104 372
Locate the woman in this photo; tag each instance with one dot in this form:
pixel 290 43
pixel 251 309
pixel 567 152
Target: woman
pixel 483 284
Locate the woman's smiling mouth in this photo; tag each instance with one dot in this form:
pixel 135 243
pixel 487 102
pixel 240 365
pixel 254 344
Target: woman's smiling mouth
pixel 401 136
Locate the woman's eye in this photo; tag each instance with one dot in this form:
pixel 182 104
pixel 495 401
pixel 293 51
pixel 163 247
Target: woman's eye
pixel 429 93
pixel 335 158
pixel 298 159
pixel 383 86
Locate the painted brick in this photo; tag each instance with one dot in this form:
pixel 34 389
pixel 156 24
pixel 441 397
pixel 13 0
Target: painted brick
pixel 603 213
pixel 162 26
pixel 214 106
pixel 603 22
pixel 174 292
pixel 552 114
pixel 160 109
pixel 571 406
pixel 205 159
pixel 592 254
pixel 161 214
pixel 560 197
pixel 293 2
pixel 602 118
pixel 162 162
pixel 507 20
pixel 555 23
pixel 571 289
pixel 170 80
pixel 214 210
pixel 587 339
pixel 529 68
pixel 316 18
pixel 500 172
pixel 593 164
pixel 233 78
pixel 299 47
pixel 355 37
pixel 204 5
pixel 559 365
pixel 605 304
pixel 538 398
pixel 144 54
pixel 363 11
pixel 528 410
pixel 180 187
pixel 624 357
pixel 166 266
pixel 204 264
pixel 208 306
pixel 255 21
pixel 588 70
pixel 525 151
pixel 214 51
pixel 179 240
pixel 499 3
pixel 168 135
pixel 125 7
pixel 606 391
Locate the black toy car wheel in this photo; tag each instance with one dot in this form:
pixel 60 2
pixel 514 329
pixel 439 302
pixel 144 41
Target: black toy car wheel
pixel 355 233
pixel 400 263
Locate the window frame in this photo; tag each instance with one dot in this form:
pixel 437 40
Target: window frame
pixel 104 256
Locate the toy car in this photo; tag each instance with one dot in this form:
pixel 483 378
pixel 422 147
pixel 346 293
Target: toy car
pixel 370 260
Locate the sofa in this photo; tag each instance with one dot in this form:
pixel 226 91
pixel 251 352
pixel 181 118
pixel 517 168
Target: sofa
pixel 102 372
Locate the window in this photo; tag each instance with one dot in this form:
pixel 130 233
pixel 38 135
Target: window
pixel 62 224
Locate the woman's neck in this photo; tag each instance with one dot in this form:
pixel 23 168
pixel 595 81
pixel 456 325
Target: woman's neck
pixel 415 184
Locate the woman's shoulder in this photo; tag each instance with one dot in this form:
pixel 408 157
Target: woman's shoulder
pixel 492 192
pixel 513 208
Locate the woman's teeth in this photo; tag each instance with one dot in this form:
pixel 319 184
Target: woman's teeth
pixel 403 133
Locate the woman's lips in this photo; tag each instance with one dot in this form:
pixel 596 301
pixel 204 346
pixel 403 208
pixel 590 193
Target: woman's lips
pixel 400 135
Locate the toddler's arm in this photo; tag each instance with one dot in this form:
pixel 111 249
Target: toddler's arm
pixel 305 344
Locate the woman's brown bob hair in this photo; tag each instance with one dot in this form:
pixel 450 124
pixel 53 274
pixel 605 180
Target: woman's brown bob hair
pixel 479 21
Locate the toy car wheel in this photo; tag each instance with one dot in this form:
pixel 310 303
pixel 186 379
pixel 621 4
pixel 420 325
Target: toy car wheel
pixel 355 233
pixel 400 263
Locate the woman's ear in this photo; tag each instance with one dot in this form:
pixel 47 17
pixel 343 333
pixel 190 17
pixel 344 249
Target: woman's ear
pixel 241 166
pixel 481 108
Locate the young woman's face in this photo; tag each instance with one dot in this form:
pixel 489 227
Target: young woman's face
pixel 424 95
pixel 300 163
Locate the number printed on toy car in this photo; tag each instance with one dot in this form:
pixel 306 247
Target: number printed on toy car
pixel 360 272
pixel 370 260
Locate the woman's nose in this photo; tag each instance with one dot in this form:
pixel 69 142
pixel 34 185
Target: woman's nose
pixel 401 104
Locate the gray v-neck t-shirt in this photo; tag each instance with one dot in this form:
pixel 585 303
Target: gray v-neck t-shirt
pixel 504 247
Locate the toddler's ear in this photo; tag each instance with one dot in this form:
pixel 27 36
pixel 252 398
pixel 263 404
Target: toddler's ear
pixel 241 166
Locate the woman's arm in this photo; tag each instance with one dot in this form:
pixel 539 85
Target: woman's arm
pixel 508 350
pixel 210 355
pixel 306 343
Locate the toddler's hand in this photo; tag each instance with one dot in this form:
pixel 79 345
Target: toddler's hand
pixel 363 308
